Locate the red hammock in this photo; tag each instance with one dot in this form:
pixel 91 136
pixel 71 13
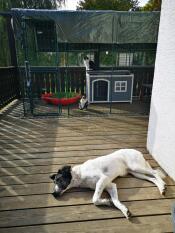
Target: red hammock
pixel 59 101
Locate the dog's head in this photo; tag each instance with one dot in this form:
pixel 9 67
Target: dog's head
pixel 62 180
pixel 86 58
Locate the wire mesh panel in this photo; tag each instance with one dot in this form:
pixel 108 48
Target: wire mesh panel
pixel 64 56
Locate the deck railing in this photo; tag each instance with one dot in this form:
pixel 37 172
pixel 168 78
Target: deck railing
pixel 9 85
pixel 73 79
pixel 142 75
pixel 50 80
pixel 9 78
pixel 53 79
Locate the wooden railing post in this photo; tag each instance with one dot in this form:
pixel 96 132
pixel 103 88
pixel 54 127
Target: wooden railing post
pixel 9 81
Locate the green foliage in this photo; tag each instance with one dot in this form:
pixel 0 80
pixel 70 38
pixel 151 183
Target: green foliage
pixel 4 47
pixel 153 5
pixel 107 58
pixel 126 58
pixel 35 4
pixel 6 5
pixel 60 95
pixel 118 5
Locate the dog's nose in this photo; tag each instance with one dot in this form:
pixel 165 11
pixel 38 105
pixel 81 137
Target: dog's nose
pixel 56 194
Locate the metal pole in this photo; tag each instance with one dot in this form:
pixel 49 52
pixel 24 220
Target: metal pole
pixel 111 80
pixel 28 81
pixel 58 69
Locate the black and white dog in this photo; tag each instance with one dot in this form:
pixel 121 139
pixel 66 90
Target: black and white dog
pixel 89 64
pixel 83 104
pixel 99 173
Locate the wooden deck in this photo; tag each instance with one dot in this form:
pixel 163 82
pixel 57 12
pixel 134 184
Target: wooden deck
pixel 32 149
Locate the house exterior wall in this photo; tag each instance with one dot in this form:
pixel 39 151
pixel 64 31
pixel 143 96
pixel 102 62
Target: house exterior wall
pixel 161 129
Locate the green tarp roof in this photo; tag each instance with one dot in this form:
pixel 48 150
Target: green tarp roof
pixel 97 26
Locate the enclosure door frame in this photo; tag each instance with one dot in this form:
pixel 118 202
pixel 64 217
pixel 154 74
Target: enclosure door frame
pixel 108 91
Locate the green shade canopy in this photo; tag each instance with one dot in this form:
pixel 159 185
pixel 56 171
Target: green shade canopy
pixel 96 26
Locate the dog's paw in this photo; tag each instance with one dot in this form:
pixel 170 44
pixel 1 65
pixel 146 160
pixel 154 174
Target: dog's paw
pixel 128 214
pixel 163 191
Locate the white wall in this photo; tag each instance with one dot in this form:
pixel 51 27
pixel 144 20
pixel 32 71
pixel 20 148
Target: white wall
pixel 161 130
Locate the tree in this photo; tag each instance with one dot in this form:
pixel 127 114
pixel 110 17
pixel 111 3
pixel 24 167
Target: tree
pixel 153 5
pixel 6 5
pixel 118 5
pixel 39 4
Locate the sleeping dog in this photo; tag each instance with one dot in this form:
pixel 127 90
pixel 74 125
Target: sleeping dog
pixel 99 173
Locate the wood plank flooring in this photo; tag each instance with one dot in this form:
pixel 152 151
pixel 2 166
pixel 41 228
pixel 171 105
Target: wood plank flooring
pixel 34 148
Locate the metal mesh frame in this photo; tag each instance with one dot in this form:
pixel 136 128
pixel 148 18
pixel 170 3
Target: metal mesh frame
pixel 40 58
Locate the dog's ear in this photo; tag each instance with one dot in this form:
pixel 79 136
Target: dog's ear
pixel 66 171
pixel 59 171
pixel 52 177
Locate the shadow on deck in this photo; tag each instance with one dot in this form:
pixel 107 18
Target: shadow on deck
pixel 32 149
pixel 42 109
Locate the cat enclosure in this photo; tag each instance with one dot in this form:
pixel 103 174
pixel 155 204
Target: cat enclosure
pixel 51 46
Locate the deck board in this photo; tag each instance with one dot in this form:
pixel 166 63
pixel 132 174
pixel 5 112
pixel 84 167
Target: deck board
pixel 55 161
pixel 83 213
pixel 33 148
pixel 79 198
pixel 148 224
